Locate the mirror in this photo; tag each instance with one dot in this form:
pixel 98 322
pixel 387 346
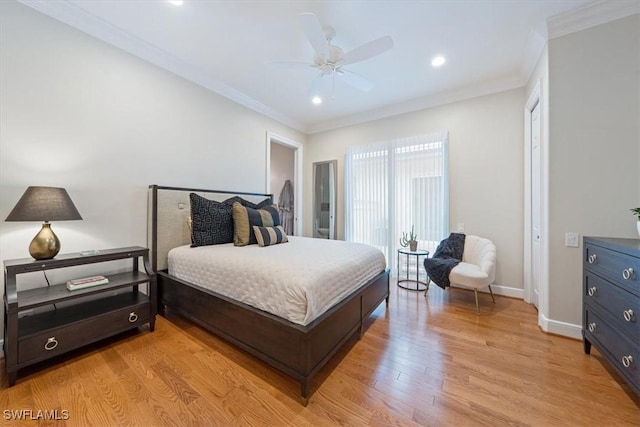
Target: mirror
pixel 324 199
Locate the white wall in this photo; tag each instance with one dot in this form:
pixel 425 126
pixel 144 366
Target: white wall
pixel 594 148
pixel 486 167
pixel 80 114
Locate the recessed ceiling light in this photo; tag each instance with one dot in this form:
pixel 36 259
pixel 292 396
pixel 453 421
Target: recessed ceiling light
pixel 438 61
pixel 176 2
pixel 316 100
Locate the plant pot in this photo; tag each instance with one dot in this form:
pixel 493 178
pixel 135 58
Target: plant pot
pixel 413 244
pixel 638 227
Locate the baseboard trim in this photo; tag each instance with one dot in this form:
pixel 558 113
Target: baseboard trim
pixel 505 291
pixel 557 327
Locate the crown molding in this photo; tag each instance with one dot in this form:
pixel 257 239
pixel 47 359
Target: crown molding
pixel 78 18
pixel 592 14
pixel 422 103
pixel 596 13
pixel 86 22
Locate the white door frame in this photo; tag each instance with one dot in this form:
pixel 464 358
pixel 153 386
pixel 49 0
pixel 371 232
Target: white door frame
pixel 543 290
pixel 298 184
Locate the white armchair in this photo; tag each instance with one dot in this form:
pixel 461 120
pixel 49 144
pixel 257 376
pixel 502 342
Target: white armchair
pixel 478 266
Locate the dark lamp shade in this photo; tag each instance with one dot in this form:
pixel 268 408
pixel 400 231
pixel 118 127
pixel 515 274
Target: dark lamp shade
pixel 44 204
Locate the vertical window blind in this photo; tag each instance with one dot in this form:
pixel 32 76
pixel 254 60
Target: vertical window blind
pixel 392 186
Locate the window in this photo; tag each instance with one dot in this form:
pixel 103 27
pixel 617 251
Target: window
pixel 393 185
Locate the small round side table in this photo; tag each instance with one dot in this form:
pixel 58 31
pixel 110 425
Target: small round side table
pixel 419 285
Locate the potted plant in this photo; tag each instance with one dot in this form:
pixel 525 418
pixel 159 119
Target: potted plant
pixel 636 212
pixel 411 240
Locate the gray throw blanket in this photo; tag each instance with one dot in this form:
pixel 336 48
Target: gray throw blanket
pixel 447 255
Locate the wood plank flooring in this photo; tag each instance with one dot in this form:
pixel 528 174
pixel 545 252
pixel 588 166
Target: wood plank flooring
pixel 423 361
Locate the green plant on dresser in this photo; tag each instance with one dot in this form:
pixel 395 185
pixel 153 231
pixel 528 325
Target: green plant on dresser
pixel 636 212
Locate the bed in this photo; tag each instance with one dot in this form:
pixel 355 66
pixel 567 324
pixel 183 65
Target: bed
pixel 296 341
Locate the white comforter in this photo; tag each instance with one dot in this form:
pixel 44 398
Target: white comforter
pixel 297 281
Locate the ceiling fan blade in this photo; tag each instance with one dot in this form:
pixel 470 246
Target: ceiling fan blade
pixel 291 64
pixel 313 30
pixel 368 50
pixel 355 80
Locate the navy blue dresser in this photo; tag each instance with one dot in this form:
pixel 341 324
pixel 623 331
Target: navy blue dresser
pixel 611 301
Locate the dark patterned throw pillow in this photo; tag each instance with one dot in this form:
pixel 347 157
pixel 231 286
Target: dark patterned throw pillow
pixel 211 221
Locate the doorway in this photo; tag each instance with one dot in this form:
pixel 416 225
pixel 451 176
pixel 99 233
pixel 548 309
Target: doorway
pixel 324 199
pixel 284 179
pixel 535 204
pixel 535 238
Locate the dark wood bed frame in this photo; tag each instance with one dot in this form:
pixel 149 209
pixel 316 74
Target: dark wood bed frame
pixel 299 351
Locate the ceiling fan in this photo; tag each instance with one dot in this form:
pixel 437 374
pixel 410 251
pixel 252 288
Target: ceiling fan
pixel 330 59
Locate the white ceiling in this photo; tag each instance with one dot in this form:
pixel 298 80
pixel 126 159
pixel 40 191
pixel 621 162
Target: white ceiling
pixel 226 46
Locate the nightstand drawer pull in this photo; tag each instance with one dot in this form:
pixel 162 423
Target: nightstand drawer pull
pixel 592 291
pixel 592 327
pixel 133 317
pixel 592 258
pixel 51 344
pixel 628 315
pixel 627 361
pixel 627 273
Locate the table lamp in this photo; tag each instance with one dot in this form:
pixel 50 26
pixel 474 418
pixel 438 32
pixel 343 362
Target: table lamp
pixel 44 204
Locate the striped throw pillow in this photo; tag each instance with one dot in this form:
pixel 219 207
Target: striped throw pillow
pixel 245 217
pixel 267 236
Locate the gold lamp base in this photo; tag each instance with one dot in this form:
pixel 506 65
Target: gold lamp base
pixel 46 244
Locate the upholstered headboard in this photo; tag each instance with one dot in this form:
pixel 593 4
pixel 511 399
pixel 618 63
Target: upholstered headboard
pixel 168 217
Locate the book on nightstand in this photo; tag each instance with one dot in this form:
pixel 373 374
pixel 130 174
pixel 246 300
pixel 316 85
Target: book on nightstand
pixel 74 285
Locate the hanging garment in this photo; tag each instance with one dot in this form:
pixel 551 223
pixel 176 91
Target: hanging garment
pixel 285 207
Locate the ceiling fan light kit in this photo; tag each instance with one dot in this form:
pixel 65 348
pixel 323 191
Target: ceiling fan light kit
pixel 438 61
pixel 330 59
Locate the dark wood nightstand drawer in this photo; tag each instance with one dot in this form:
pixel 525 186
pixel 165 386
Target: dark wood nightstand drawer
pixel 59 340
pixel 622 353
pixel 622 305
pixel 620 268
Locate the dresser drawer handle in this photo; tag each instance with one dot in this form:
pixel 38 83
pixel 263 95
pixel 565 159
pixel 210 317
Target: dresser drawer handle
pixel 592 291
pixel 628 315
pixel 133 317
pixel 627 361
pixel 51 344
pixel 592 258
pixel 627 273
pixel 592 327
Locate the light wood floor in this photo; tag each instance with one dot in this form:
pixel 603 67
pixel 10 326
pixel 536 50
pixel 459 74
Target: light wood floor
pixel 422 361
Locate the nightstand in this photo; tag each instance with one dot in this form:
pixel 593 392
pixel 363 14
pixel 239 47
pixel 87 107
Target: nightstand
pixel 84 316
